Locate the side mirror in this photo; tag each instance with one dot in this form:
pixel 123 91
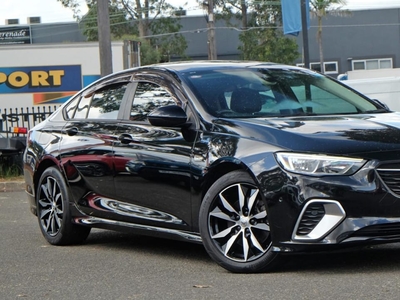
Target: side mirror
pixel 168 116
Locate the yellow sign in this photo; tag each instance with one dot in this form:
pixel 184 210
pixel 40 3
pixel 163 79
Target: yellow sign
pixel 19 79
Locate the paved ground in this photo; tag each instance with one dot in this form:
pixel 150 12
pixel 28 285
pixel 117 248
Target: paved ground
pixel 113 265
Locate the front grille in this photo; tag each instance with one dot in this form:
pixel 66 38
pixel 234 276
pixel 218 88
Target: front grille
pixel 390 174
pixel 311 217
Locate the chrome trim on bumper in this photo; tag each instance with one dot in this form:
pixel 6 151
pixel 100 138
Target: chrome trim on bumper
pixel 334 214
pixel 351 225
pixel 342 233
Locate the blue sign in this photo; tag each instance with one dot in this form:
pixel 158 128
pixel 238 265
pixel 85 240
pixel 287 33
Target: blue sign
pixel 291 16
pixel 40 79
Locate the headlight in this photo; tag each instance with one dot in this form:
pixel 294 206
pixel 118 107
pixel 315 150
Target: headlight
pixel 318 165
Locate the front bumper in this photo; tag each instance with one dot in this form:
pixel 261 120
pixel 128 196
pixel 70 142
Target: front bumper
pixel 350 232
pixel 333 211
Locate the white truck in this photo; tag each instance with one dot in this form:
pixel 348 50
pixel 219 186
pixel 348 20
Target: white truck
pixel 35 79
pixel 382 84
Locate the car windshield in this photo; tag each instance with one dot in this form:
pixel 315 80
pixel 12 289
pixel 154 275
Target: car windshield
pixel 268 92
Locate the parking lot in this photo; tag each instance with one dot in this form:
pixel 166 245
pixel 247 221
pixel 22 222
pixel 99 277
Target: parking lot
pixel 113 265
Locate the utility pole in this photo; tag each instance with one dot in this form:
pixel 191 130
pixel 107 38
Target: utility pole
pixel 212 49
pixel 103 25
pixel 304 30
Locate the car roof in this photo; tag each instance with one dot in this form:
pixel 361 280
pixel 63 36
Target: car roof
pixel 184 66
pixel 191 66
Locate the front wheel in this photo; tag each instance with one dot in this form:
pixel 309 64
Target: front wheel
pixel 234 225
pixel 52 199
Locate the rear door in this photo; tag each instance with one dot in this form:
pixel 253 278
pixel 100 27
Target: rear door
pixel 86 146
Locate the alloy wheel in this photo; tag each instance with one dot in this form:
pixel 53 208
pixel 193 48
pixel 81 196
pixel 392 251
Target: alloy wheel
pixel 50 206
pixel 238 223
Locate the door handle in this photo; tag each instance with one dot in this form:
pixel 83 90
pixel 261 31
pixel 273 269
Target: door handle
pixel 125 138
pixel 72 131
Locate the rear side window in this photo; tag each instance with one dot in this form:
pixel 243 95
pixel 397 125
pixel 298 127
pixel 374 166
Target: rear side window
pixel 103 103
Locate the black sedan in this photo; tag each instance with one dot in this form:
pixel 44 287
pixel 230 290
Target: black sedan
pixel 253 160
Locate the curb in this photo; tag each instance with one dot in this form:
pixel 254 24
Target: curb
pixel 12 186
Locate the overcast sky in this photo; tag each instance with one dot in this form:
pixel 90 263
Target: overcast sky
pixel 52 11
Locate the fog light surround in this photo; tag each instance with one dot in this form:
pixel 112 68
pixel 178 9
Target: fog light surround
pixel 334 214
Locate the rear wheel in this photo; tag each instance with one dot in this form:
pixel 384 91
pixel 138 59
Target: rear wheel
pixel 52 199
pixel 234 225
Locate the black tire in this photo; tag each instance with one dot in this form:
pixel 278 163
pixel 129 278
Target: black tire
pixel 52 199
pixel 234 225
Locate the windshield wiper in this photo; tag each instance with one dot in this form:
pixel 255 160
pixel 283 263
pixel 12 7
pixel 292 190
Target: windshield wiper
pixel 380 110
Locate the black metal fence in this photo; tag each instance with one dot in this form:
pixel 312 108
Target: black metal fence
pixel 22 118
pixel 14 126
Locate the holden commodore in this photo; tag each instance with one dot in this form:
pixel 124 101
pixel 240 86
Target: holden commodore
pixel 253 160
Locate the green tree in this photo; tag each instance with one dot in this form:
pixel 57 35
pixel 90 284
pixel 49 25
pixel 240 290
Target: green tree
pixel 262 37
pixel 228 9
pixel 319 9
pixel 119 24
pixel 266 44
pixel 172 43
pixel 153 22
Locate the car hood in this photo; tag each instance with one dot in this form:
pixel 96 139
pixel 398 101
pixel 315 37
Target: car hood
pixel 367 135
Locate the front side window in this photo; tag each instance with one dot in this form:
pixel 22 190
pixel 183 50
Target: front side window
pixel 148 97
pixel 264 92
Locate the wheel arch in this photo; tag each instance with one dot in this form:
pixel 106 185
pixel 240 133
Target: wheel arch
pixel 44 164
pixel 56 223
pixel 218 170
pixel 225 166
pixel 215 171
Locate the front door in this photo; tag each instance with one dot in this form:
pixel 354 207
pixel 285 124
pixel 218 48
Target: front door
pixel 152 164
